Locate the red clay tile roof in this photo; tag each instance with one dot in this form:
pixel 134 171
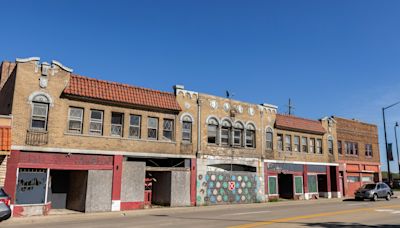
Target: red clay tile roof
pixel 5 138
pixel 286 122
pixel 122 93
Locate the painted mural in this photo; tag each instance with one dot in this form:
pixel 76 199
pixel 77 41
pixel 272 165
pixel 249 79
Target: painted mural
pixel 219 187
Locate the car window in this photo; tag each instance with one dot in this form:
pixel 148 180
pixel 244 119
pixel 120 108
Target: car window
pixel 368 186
pixel 2 193
pixel 379 186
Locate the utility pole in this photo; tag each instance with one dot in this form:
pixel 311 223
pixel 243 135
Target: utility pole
pixel 290 107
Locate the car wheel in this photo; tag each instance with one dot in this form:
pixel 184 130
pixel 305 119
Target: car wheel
pixel 375 197
pixel 388 197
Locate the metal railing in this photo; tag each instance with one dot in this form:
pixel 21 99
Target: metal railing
pixel 36 138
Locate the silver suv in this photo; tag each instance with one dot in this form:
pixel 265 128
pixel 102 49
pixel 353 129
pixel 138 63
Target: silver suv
pixel 374 191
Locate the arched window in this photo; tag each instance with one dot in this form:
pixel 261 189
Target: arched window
pixel 40 111
pixel 238 134
pixel 226 130
pixel 187 128
pixel 269 139
pixel 251 136
pixel 212 131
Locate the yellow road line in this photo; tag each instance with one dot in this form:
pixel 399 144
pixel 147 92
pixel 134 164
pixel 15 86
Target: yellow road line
pixel 250 225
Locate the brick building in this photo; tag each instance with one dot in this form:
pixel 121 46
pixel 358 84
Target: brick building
pixel 359 157
pixel 89 145
pixel 302 163
pixel 5 145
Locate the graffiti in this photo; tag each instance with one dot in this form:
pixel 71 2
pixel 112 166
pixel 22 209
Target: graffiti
pixel 228 187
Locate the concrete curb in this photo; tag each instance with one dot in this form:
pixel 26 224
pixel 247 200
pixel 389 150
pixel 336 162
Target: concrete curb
pixel 157 211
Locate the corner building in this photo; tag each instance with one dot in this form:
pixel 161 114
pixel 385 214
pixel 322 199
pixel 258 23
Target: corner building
pixel 89 145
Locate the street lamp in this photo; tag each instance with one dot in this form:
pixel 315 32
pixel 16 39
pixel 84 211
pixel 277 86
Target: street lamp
pixel 386 144
pixel 397 146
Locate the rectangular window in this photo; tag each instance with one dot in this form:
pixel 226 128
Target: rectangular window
pixel 298 182
pixel 353 179
pixel 312 183
pixel 96 122
pixel 212 134
pixel 368 150
pixel 39 116
pixel 31 186
pixel 355 148
pixel 237 137
pixel 367 179
pixel 134 126
pixel 272 185
pixel 117 120
pixel 152 128
pixel 269 141
pixel 339 147
pixel 250 138
pixel 75 119
pixel 187 131
pixel 168 130
pixel 279 139
pixel 288 143
pixel 312 145
pixel 304 144
pixel 319 146
pixel 296 143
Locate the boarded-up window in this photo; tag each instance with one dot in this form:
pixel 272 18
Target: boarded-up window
pixel 272 185
pixel 298 181
pixel 31 186
pixel 312 183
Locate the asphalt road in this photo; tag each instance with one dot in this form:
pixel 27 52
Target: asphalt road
pixel 321 213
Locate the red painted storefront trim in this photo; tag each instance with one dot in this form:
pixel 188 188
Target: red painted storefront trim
pixel 125 206
pixel 117 178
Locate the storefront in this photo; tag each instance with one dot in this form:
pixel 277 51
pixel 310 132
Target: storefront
pixel 300 180
pixel 40 181
pixel 355 174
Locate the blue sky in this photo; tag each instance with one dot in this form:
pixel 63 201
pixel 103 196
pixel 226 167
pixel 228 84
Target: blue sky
pixel 330 57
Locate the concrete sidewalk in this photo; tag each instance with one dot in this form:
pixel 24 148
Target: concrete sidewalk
pixel 155 211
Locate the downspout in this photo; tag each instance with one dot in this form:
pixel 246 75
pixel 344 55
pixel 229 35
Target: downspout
pixel 198 125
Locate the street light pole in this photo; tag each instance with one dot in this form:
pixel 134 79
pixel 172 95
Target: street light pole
pixel 397 146
pixel 386 144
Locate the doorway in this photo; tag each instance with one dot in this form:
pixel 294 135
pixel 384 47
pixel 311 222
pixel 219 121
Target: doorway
pixel 285 186
pixel 67 190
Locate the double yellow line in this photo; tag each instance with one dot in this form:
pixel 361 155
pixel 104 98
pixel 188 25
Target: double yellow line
pixel 269 222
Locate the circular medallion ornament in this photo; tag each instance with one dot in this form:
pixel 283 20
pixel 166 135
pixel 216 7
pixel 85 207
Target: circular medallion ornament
pixel 213 104
pixel 251 111
pixel 227 106
pixel 239 108
pixel 187 105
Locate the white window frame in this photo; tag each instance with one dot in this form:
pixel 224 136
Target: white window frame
pixel 121 125
pixel 96 121
pixel 76 119
pixel 135 126
pixel 302 185
pixel 168 130
pixel 276 186
pixel 39 117
pixel 296 147
pixel 302 144
pixel 152 128
pixel 187 131
pixel 290 143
